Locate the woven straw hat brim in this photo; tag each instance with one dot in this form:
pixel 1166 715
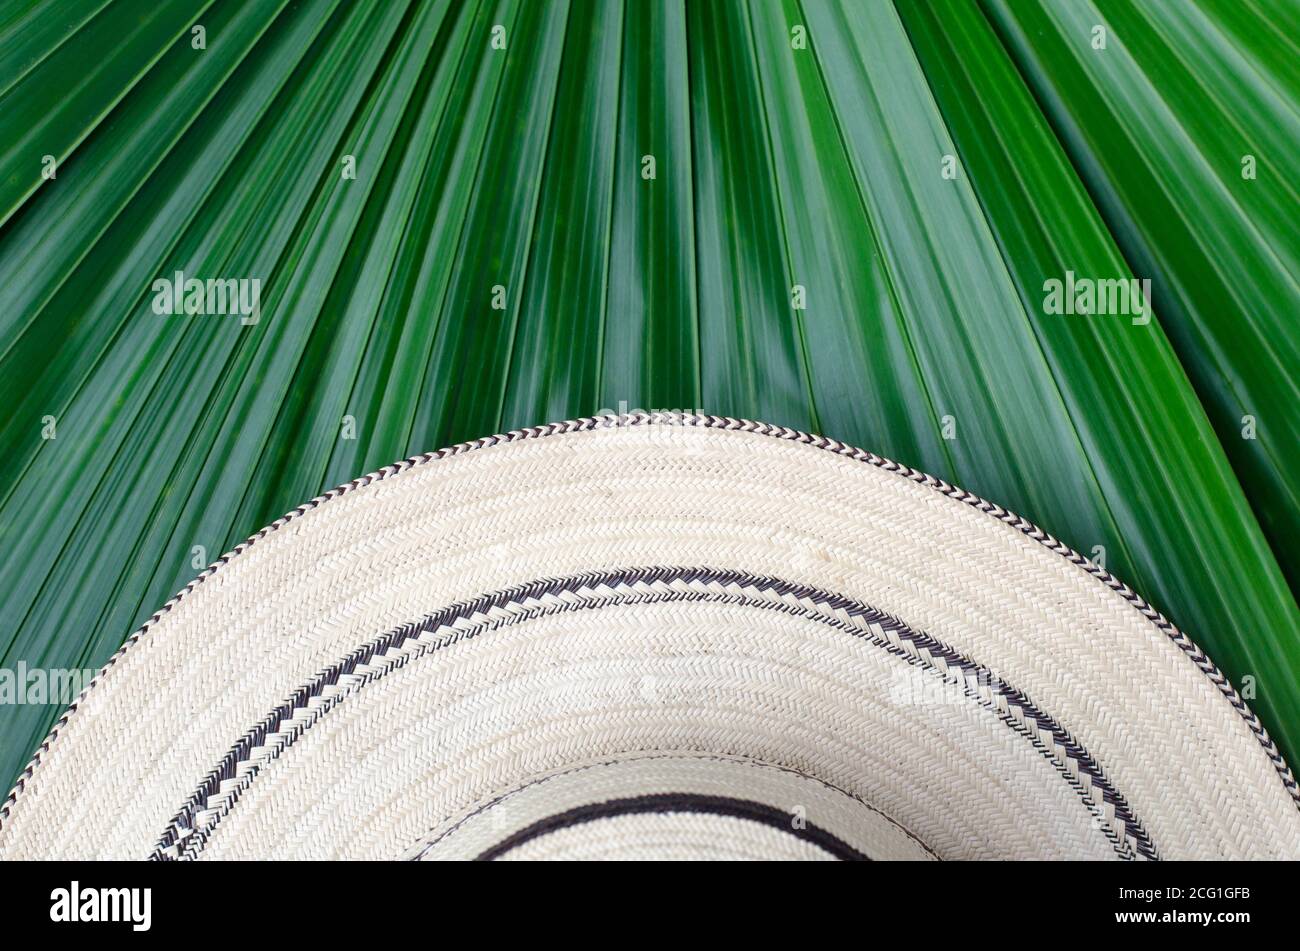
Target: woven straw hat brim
pixel 658 635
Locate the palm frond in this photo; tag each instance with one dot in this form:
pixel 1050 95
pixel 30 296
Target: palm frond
pixel 832 216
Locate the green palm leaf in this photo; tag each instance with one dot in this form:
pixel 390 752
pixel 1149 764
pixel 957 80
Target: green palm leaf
pixel 1196 171
pixel 832 216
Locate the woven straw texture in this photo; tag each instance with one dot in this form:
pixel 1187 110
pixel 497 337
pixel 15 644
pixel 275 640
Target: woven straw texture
pixel 655 636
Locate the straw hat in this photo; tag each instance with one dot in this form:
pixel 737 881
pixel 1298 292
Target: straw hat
pixel 662 636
